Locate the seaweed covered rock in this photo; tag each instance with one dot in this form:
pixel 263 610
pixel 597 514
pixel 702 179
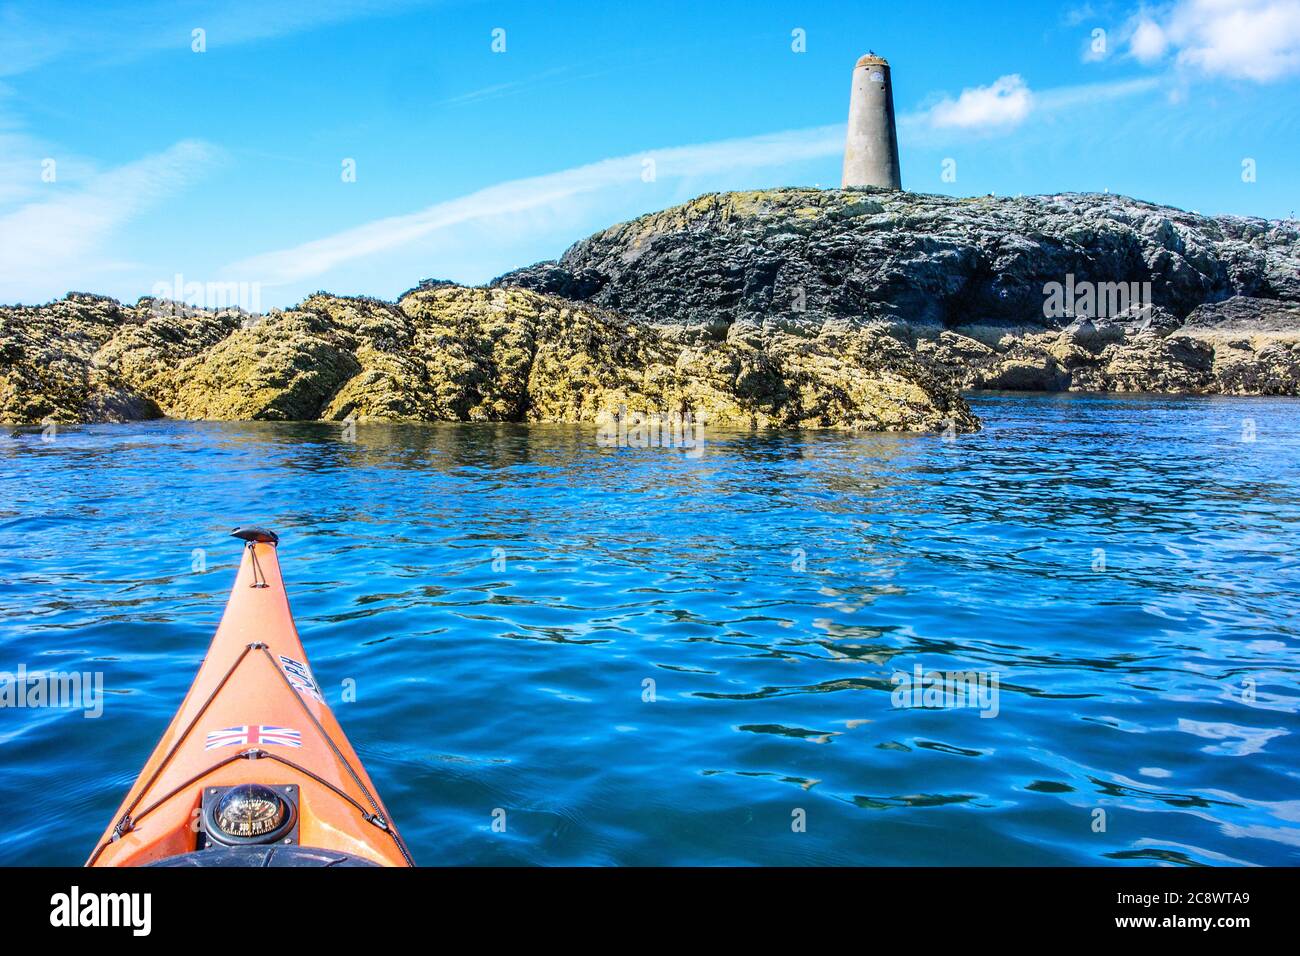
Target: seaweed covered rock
pixel 450 353
pixel 282 368
pixel 1242 346
pixel 49 370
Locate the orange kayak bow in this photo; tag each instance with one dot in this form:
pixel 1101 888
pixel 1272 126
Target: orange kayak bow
pixel 254 770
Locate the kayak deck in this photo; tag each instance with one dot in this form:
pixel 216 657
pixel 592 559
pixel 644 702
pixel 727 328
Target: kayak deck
pixel 254 715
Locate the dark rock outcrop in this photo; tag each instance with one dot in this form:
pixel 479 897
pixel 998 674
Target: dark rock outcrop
pixel 967 283
pixel 866 254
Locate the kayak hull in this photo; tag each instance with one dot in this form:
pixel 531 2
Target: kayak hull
pixel 254 714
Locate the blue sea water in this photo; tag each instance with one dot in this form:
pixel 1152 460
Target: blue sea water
pixel 648 657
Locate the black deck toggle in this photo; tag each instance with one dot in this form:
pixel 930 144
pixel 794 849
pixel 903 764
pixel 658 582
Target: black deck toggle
pixel 255 533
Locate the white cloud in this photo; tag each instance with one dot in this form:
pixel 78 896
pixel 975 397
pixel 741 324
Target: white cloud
pixel 1002 104
pixel 1148 42
pixel 47 242
pixel 533 197
pixel 1255 40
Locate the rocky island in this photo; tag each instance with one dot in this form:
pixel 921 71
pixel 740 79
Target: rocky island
pixel 967 284
pixel 861 308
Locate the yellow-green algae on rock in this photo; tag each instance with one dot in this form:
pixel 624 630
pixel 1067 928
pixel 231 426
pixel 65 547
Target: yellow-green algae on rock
pixel 450 353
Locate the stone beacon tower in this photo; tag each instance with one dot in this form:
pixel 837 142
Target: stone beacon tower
pixel 871 151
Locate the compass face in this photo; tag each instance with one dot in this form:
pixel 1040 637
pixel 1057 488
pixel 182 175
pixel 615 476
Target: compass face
pixel 250 811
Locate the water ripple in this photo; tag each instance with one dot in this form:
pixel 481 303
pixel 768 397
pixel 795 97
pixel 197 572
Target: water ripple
pixel 645 658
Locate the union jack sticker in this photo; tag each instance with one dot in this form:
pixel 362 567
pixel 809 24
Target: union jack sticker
pixel 252 734
pixel 300 678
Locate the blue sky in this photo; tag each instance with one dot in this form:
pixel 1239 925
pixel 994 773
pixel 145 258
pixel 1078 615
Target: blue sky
pixel 126 157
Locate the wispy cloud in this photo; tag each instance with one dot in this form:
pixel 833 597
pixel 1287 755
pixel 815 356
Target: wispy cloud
pixel 1063 98
pixel 47 242
pixel 1007 103
pixel 529 85
pixel 534 203
pixel 30 36
pixel 1077 15
pixel 533 194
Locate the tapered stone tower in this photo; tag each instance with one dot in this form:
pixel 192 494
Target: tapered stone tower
pixel 871 151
